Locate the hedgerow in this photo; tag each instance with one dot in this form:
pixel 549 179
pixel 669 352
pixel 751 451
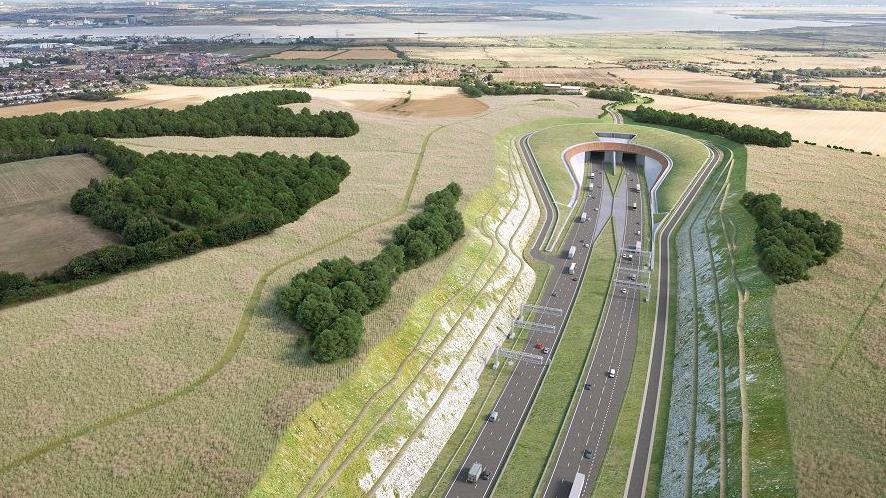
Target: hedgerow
pixel 745 134
pixel 790 241
pixel 329 300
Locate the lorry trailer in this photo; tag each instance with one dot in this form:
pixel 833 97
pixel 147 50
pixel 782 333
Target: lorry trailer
pixel 474 472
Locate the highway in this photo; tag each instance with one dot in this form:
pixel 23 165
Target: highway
pixel 638 474
pixel 496 439
pixel 599 396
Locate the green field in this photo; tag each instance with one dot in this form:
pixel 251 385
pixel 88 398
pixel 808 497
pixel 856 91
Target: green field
pixel 535 443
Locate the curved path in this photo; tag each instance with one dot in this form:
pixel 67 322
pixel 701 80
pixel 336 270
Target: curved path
pixel 638 473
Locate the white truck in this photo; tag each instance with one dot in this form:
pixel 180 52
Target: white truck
pixel 475 471
pixel 637 188
pixel 571 253
pixel 583 218
pixel 571 269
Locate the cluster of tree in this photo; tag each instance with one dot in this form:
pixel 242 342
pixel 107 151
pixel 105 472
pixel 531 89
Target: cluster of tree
pixel 329 300
pixel 477 87
pixel 745 134
pixel 252 195
pixel 96 96
pixel 252 113
pixel 611 93
pixel 874 101
pixel 167 191
pixel 790 241
pixel 820 72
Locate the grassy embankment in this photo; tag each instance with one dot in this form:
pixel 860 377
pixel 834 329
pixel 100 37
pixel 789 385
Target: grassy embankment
pixel 722 243
pixel 380 386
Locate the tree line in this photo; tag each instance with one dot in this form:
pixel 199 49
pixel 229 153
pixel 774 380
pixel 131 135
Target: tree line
pixel 615 94
pixel 329 300
pixel 790 241
pixel 251 113
pixel 745 134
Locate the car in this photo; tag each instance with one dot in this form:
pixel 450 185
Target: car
pixel 588 453
pixel 554 294
pixel 493 416
pixel 575 279
pixel 638 232
pixel 596 209
pixel 587 387
pixel 485 475
pixel 624 291
pixel 587 246
pixel 611 373
pixel 539 346
pixel 546 350
pixel 634 277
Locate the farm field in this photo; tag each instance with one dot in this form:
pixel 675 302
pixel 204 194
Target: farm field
pixel 600 76
pixel 403 100
pixel 41 233
pixel 859 130
pixel 694 83
pixel 829 328
pixel 126 401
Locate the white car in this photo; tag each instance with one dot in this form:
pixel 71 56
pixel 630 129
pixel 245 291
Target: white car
pixel 638 232
pixel 611 373
pixel 624 291
pixel 546 350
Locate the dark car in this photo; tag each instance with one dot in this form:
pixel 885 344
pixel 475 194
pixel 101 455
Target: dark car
pixel 587 387
pixel 588 453
pixel 484 475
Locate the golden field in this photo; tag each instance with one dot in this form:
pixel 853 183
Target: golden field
pixel 859 130
pixel 830 328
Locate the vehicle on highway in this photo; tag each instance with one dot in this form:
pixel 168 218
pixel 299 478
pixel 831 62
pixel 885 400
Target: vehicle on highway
pixel 546 350
pixel 571 269
pixel 588 453
pixel 570 253
pixel 485 475
pixel 638 232
pixel 592 174
pixel 633 205
pixel 587 246
pixel 634 277
pixel 493 416
pixel 539 346
pixel 475 471
pixel 611 373
pixel 578 485
pixel 583 218
pixel 587 387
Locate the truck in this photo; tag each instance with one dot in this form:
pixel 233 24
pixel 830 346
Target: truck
pixel 571 253
pixel 475 471
pixel 591 186
pixel 578 484
pixel 638 246
pixel 633 205
pixel 637 188
pixel 571 269
pixel 583 218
